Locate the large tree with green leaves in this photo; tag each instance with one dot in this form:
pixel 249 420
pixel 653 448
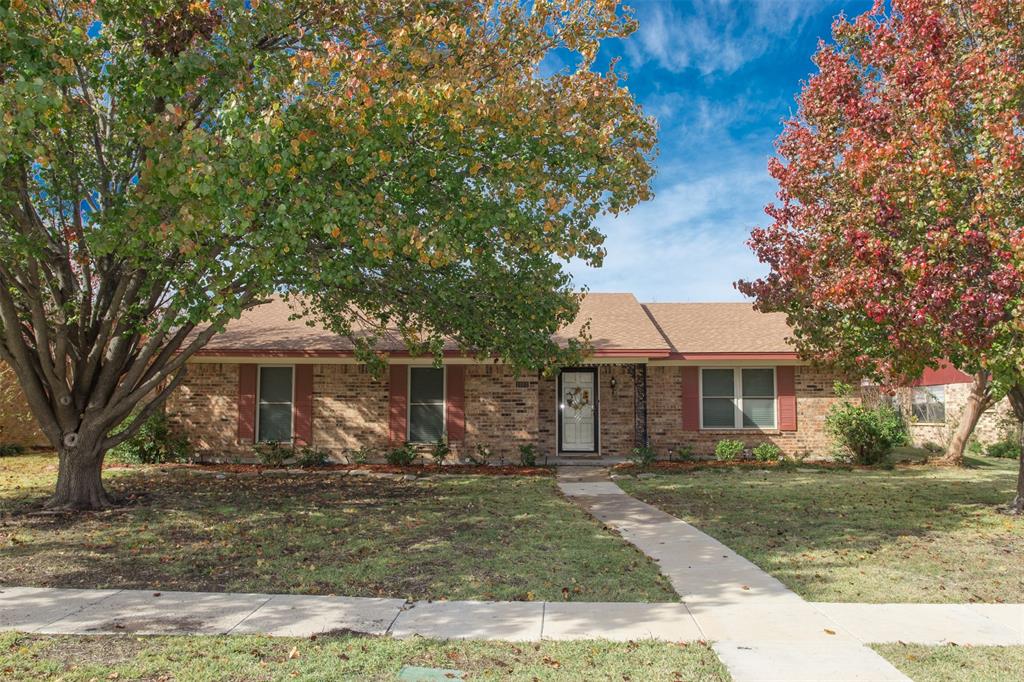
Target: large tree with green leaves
pixel 898 238
pixel 165 165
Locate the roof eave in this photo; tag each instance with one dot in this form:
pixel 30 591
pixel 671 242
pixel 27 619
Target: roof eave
pixel 656 353
pixel 653 353
pixel 731 355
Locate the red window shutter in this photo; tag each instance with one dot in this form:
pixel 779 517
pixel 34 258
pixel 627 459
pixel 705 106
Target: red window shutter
pixel 691 398
pixel 246 403
pixel 303 404
pixel 786 378
pixel 398 403
pixel 455 397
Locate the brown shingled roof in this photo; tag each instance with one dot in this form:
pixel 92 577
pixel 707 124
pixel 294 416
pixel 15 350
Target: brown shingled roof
pixel 720 328
pixel 269 328
pixel 618 324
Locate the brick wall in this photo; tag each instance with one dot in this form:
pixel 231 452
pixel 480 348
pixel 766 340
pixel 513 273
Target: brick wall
pixel 665 408
pixel 547 415
pixel 17 425
pixel 350 409
pixel 501 410
pixel 204 408
pixel 814 396
pixel 617 409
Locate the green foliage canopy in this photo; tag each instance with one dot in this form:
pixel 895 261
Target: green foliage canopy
pixel 165 165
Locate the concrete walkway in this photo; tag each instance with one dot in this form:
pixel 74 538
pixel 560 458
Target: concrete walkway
pixel 760 628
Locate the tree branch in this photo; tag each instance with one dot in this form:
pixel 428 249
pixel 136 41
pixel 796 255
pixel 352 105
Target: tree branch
pixel 146 412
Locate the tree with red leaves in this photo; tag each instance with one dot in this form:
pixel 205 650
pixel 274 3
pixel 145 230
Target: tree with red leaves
pixel 898 235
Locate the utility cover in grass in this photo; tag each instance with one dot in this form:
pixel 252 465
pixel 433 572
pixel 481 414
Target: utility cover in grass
pixel 411 673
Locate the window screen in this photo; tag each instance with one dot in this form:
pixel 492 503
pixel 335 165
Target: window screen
pixel 738 398
pixel 426 404
pixel 275 404
pixel 758 398
pixel 929 404
pixel 719 390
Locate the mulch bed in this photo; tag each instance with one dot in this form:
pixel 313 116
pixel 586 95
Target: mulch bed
pixel 628 467
pixel 415 469
pixel 691 466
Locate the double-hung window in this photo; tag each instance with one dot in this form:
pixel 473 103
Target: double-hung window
pixel 426 404
pixel 738 398
pixel 928 404
pixel 274 418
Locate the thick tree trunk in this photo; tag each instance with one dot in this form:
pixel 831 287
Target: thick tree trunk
pixel 977 402
pixel 79 485
pixel 1016 397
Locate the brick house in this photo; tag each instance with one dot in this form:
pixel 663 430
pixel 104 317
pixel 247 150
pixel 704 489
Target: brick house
pixel 667 374
pixel 934 404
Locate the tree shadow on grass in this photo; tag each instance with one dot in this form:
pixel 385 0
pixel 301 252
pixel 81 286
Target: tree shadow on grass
pixel 181 532
pixel 433 538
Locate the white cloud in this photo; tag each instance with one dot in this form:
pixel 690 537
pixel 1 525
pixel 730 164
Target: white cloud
pixel 700 115
pixel 686 244
pixel 713 36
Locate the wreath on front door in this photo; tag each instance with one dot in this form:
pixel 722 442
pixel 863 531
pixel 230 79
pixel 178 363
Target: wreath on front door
pixel 578 398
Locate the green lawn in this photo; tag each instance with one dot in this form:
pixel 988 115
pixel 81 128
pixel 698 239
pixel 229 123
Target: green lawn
pixel 457 537
pixel 952 663
pixel 915 534
pixel 31 657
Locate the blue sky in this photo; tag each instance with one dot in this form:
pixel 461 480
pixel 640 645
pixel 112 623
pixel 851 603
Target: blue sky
pixel 720 76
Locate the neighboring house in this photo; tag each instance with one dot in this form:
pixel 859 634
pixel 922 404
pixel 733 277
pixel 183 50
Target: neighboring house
pixel 17 425
pixel 667 374
pixel 934 403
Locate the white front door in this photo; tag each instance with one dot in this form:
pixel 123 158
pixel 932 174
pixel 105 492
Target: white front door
pixel 577 405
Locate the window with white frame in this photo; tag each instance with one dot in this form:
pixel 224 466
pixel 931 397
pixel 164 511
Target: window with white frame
pixel 929 404
pixel 274 416
pixel 738 398
pixel 426 404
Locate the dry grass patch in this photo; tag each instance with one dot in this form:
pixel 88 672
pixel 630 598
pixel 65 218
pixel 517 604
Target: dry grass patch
pixel 916 534
pixel 952 663
pixel 187 659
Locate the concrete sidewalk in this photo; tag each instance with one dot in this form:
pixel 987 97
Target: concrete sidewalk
pixel 91 612
pixel 88 612
pixel 972 624
pixel 760 628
